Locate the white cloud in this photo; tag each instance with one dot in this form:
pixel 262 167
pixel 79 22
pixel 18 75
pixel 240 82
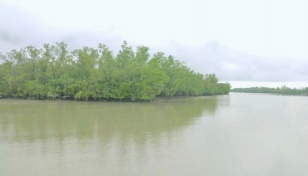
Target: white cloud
pixel 269 28
pixel 272 32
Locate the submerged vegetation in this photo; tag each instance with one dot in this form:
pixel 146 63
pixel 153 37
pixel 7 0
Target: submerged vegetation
pixel 53 72
pixel 279 90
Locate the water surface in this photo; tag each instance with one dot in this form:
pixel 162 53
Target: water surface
pixel 236 134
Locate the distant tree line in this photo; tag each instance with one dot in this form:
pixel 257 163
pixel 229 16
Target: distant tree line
pixel 88 73
pixel 279 90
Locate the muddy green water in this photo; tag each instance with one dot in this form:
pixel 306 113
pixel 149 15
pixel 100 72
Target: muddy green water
pixel 232 135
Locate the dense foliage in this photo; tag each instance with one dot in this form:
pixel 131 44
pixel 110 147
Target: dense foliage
pixel 279 90
pixel 97 74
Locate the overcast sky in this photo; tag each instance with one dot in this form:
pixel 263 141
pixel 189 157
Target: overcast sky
pixel 239 40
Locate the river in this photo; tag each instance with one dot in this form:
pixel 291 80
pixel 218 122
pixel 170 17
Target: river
pixel 229 135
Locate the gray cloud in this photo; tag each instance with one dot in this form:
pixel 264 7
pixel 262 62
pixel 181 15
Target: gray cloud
pixel 20 29
pixel 230 65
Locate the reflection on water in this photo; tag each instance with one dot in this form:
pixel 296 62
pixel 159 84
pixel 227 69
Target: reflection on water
pixel 59 137
pixel 40 120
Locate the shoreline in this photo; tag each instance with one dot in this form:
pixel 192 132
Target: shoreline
pixel 157 99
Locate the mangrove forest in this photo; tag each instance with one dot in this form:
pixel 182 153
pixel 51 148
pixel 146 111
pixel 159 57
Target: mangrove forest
pixel 284 90
pixel 97 74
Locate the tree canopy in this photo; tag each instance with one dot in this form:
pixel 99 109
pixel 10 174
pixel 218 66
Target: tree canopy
pixel 53 72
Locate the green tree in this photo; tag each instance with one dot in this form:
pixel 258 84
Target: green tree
pixel 97 74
